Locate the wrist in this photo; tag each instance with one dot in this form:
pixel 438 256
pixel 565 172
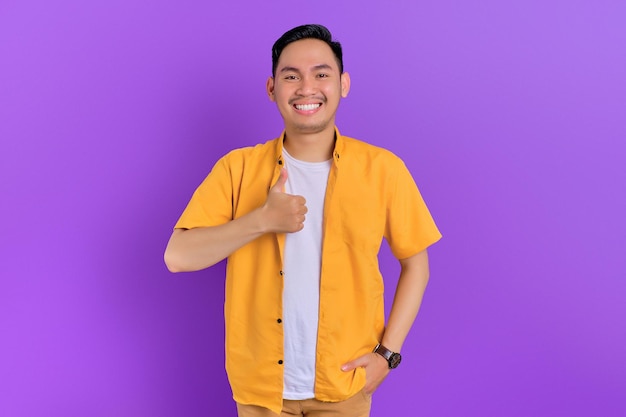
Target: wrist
pixel 259 220
pixel 393 358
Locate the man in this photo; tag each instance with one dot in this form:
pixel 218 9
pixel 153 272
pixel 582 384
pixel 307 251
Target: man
pixel 301 219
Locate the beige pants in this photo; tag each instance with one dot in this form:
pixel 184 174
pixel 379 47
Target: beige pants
pixel 356 406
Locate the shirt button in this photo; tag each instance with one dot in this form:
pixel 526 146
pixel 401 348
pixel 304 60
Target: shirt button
pixel 280 362
pixel 279 321
pixel 281 273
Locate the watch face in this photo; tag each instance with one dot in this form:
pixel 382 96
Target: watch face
pixel 394 360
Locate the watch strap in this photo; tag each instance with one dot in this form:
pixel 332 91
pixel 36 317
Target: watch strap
pixel 393 358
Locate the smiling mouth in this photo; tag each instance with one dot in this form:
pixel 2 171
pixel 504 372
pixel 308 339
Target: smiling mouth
pixel 307 107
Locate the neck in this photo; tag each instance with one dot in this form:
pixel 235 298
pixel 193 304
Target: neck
pixel 310 147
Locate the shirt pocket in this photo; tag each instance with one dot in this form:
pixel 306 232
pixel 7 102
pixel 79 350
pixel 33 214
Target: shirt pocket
pixel 362 219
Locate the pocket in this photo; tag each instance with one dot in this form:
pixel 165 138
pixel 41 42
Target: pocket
pixel 363 222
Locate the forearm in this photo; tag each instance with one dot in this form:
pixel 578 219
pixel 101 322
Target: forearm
pixel 407 300
pixel 200 248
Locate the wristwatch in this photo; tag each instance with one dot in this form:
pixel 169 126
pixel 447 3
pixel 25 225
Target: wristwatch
pixel 393 358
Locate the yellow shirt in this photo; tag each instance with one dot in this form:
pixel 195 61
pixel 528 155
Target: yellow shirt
pixel 370 195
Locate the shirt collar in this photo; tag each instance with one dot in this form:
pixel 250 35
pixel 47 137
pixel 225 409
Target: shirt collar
pixel 337 151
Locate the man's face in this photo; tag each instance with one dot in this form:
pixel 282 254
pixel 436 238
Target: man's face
pixel 307 86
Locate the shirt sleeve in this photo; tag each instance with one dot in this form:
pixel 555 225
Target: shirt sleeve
pixel 212 202
pixel 410 227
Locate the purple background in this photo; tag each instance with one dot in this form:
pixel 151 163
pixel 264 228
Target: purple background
pixel 510 115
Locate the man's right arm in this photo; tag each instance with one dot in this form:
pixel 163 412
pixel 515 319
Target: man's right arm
pixel 202 247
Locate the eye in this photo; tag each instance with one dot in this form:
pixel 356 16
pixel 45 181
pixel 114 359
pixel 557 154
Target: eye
pixel 290 77
pixel 322 75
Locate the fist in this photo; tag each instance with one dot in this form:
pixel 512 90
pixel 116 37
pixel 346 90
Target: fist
pixel 284 213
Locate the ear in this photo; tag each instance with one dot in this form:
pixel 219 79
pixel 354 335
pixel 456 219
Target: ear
pixel 270 88
pixel 345 84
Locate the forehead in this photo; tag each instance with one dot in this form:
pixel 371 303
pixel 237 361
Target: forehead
pixel 307 53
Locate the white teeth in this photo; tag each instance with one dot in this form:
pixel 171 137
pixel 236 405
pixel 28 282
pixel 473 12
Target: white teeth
pixel 307 107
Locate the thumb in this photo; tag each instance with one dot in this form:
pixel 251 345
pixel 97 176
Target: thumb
pixel 279 186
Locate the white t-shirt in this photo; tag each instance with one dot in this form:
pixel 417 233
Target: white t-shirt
pixel 302 264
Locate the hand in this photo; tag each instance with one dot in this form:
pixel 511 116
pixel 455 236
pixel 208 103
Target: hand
pixel 376 370
pixel 283 213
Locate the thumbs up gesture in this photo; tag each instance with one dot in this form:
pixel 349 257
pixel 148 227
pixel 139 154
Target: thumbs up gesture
pixel 284 213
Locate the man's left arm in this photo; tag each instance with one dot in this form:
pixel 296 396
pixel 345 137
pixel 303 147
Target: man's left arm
pixel 407 300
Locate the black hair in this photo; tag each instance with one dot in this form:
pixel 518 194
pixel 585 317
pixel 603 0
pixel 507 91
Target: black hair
pixel 306 32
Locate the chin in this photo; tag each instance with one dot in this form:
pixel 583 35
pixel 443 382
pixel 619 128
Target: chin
pixel 311 127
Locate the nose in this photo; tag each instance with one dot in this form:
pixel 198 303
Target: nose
pixel 307 86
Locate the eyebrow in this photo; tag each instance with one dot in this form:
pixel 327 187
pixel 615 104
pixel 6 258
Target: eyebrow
pixel 315 68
